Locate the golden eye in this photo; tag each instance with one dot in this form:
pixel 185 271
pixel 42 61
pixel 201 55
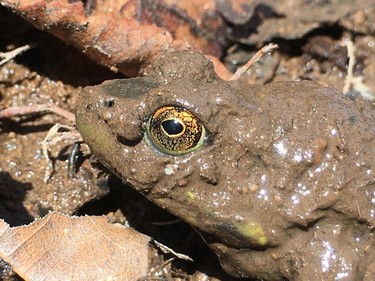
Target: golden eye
pixel 174 130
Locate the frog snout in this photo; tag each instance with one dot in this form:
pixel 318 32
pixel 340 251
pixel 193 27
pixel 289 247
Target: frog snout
pixel 122 121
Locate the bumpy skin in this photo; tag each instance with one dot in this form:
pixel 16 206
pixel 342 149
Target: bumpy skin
pixel 284 186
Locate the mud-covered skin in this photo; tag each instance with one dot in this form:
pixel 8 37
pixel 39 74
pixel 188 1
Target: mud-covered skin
pixel 284 186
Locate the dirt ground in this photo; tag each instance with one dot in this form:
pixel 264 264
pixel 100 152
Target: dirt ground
pixel 54 72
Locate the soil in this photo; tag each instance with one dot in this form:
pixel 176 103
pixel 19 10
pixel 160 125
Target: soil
pixel 53 72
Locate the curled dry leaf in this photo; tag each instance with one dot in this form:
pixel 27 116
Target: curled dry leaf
pixel 126 35
pixel 59 247
pixel 105 39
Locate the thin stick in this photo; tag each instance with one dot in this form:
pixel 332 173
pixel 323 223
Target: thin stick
pixel 266 49
pixel 28 110
pixel 352 82
pixel 349 78
pixel 12 54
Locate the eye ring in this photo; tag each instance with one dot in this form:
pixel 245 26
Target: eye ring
pixel 174 130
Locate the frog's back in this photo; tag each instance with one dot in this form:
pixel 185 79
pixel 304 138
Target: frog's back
pixel 326 146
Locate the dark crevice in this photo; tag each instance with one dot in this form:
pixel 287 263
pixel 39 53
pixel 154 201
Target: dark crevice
pixel 290 47
pixel 127 142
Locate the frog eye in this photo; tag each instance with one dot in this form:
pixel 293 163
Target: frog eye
pixel 174 130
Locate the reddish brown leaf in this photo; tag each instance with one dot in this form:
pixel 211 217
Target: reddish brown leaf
pixel 110 41
pixel 196 22
pixel 59 247
pixel 123 38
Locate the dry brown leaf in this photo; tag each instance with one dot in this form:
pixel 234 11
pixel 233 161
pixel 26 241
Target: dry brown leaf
pixel 59 247
pixel 120 43
pixel 119 36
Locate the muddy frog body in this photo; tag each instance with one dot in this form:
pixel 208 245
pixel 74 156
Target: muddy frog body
pixel 279 179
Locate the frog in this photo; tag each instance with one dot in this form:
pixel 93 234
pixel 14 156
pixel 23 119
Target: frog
pixel 278 179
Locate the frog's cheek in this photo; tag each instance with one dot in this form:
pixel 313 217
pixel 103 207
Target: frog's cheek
pixel 118 158
pixel 208 170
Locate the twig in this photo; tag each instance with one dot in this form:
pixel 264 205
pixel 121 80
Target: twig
pixel 28 110
pixel 167 250
pixel 349 77
pixel 12 54
pixel 351 82
pixel 266 49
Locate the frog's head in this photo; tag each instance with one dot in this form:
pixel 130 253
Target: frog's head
pixel 251 167
pixel 189 142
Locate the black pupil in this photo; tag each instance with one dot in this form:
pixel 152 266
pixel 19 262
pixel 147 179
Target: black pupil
pixel 172 127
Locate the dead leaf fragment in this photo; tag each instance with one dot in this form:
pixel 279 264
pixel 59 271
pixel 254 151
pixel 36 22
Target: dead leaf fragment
pixel 107 40
pixel 127 36
pixel 60 247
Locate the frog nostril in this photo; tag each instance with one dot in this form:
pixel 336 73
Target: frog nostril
pixel 109 103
